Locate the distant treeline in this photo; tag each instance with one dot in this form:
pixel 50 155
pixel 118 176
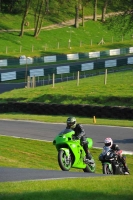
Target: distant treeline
pixel 59 10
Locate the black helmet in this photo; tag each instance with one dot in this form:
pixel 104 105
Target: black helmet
pixel 71 122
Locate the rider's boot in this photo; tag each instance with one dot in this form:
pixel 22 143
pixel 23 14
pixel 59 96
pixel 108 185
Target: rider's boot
pixel 126 170
pixel 89 158
pixel 125 165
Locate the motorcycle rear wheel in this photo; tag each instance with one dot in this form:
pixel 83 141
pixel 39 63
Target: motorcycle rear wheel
pixel 63 161
pixel 106 169
pixel 89 169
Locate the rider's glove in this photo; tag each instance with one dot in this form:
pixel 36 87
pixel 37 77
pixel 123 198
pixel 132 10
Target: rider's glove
pixel 78 137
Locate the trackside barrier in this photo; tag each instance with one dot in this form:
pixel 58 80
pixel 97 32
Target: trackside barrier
pixel 60 109
pixel 63 69
pixel 23 60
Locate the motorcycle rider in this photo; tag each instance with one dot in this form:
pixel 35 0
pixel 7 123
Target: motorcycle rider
pixel 109 143
pixel 79 134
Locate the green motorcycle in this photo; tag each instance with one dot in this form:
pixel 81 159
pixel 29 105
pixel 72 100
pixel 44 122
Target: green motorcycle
pixel 71 154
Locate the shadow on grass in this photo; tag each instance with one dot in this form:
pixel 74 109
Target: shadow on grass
pixel 12 99
pixel 100 100
pixel 66 195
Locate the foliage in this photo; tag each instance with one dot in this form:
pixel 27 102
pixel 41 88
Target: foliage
pixel 55 41
pixel 82 40
pixel 121 24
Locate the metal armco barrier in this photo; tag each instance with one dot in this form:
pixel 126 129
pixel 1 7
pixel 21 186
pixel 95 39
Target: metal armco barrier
pixel 60 109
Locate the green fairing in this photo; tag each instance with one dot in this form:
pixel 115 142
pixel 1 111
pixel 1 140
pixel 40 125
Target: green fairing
pixel 90 143
pixel 72 150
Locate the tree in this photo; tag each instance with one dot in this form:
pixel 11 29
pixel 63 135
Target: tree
pixel 77 13
pixel 41 10
pixel 0 5
pixel 26 10
pixel 95 10
pixel 11 6
pixel 122 23
pixel 79 7
pixel 104 10
pixel 84 3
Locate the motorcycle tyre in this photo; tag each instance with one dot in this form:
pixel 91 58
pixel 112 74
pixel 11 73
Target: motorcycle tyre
pixel 106 169
pixel 61 157
pixel 89 169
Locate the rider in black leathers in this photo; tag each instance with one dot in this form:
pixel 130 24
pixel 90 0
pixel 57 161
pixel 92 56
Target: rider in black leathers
pixel 122 158
pixel 109 142
pixel 79 134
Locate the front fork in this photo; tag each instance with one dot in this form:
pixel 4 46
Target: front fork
pixel 110 166
pixel 68 155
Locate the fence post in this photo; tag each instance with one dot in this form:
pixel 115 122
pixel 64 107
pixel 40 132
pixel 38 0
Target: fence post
pixel 112 39
pixel 91 42
pixel 6 50
pixel 28 82
pixel 34 81
pixel 78 79
pixel 53 80
pixel 105 78
pixel 69 44
pixel 20 49
pixel 58 45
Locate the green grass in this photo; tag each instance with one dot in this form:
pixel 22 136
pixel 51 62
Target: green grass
pixel 28 154
pixel 118 188
pixel 92 90
pixel 38 155
pixel 55 41
pixel 62 119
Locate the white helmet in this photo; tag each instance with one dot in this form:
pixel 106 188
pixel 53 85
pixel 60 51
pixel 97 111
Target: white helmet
pixel 108 142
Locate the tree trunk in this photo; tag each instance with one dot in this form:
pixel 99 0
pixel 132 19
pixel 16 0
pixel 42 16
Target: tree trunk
pixel 47 6
pixel 39 20
pixel 27 5
pixel 83 16
pixel 104 10
pixel 76 15
pixel 39 27
pixel 0 5
pixel 95 11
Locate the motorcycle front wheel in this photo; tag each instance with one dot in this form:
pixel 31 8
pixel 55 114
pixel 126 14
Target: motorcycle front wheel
pixel 106 169
pixel 63 160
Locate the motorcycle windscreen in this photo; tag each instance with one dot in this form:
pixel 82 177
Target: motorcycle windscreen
pixel 105 150
pixel 66 131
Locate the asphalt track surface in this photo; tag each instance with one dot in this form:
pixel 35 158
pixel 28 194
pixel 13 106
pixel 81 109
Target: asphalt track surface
pixel 47 131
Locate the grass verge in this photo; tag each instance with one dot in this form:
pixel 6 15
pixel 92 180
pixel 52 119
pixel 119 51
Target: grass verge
pixel 115 187
pixel 92 90
pixel 62 119
pixel 38 154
